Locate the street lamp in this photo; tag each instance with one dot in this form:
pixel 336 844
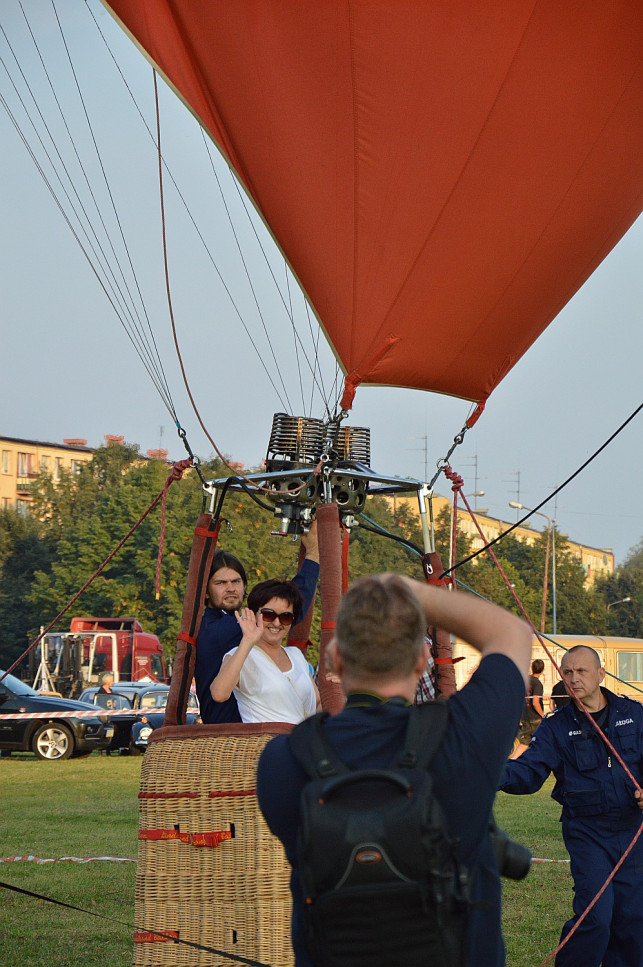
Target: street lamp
pixel 551 542
pixel 621 601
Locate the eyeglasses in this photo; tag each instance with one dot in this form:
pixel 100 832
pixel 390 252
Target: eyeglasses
pixel 286 618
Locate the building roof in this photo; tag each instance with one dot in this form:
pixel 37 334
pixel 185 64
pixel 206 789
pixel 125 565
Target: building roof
pixel 42 443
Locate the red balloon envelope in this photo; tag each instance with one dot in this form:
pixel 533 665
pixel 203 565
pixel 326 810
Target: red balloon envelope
pixel 441 176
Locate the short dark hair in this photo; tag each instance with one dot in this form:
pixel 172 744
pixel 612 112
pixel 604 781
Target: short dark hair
pixel 537 666
pixel 380 627
pixel 262 593
pixel 226 559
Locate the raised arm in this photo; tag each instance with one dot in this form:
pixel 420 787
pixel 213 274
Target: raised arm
pixel 486 627
pixel 252 627
pixel 310 543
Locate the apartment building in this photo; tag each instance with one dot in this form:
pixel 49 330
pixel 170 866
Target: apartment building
pixel 22 460
pixel 595 561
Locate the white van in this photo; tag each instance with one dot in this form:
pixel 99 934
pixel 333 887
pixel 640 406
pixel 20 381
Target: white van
pixel 622 659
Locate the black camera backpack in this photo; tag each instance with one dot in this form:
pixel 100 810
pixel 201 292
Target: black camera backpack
pixel 377 864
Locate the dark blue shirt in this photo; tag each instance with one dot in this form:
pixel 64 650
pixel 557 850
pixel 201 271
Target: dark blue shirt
pixel 483 719
pixel 218 634
pixel 589 780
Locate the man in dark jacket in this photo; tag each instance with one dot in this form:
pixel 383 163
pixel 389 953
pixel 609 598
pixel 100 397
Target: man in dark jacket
pixel 379 653
pixel 602 810
pixel 220 631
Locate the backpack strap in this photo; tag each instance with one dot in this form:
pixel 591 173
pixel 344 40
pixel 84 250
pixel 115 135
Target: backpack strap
pixel 427 725
pixel 313 751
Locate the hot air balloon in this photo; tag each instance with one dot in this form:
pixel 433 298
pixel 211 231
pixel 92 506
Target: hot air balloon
pixel 441 178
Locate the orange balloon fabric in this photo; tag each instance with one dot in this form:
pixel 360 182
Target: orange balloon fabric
pixel 441 176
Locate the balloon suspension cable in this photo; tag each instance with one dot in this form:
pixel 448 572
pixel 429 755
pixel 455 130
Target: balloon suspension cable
pixel 177 472
pixel 329 454
pixel 169 295
pixel 444 462
pixel 371 525
pixel 457 485
pixel 553 493
pixel 196 463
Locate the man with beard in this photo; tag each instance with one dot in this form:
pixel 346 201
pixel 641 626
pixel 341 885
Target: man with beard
pixel 220 630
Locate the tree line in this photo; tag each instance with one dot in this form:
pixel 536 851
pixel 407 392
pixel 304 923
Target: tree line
pixel 75 524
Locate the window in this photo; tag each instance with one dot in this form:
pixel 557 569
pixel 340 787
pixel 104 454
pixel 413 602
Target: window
pixel 25 464
pixel 22 506
pixel 44 464
pixel 629 665
pixel 6 461
pixel 58 467
pixel 76 465
pixel 6 503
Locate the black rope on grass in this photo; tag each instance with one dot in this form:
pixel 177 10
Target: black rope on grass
pixel 130 926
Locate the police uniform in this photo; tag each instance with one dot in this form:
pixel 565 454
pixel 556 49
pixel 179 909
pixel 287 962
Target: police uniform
pixel 600 818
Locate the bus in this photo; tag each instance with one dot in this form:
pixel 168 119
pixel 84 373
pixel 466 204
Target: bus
pixel 622 659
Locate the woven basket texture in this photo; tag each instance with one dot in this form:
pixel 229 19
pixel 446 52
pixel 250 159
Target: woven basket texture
pixel 235 896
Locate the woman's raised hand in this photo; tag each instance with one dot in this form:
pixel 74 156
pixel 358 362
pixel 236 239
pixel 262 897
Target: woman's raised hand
pixel 251 625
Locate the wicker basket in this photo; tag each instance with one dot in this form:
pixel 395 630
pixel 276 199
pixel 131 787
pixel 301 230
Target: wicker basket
pixel 209 871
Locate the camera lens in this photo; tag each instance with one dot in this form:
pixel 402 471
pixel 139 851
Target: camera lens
pixel 514 859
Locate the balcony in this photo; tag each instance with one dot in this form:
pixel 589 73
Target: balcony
pixel 23 484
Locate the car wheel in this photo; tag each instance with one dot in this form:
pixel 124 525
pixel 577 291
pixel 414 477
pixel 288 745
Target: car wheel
pixel 53 742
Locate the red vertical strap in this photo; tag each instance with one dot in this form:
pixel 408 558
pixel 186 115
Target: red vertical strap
pixel 331 594
pixel 300 633
pixel 454 532
pixel 345 543
pixel 206 534
pixel 442 641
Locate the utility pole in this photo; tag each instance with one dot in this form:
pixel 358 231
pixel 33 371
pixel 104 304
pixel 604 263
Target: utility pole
pixel 425 448
pixel 516 474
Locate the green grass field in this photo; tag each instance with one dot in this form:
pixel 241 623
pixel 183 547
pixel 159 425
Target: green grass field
pixel 89 807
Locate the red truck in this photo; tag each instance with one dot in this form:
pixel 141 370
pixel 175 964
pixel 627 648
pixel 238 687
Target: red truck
pixel 72 660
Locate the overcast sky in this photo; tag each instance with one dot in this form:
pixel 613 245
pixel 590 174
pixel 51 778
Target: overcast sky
pixel 69 369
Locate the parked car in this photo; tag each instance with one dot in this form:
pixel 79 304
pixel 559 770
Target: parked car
pixel 148 701
pixel 57 733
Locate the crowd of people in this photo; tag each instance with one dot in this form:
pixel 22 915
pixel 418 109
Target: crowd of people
pixel 382 657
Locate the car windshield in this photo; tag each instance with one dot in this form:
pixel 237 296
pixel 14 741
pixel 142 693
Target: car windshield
pixel 155 699
pixel 16 686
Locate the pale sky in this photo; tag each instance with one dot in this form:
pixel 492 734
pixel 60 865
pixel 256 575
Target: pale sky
pixel 69 370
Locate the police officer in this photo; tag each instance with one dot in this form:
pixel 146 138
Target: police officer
pixel 602 810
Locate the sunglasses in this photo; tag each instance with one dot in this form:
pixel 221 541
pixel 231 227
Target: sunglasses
pixel 286 618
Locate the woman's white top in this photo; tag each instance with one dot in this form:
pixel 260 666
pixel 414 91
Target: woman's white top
pixel 266 694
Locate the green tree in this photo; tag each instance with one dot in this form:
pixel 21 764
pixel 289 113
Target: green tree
pixel 89 514
pixel 621 597
pixel 24 549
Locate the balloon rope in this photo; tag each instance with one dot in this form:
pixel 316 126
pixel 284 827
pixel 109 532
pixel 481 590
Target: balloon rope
pixel 457 487
pixel 167 279
pixel 549 497
pixel 235 470
pixel 176 474
pixel 596 898
pixel 457 480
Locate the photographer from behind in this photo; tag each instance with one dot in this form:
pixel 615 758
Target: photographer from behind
pixel 379 654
